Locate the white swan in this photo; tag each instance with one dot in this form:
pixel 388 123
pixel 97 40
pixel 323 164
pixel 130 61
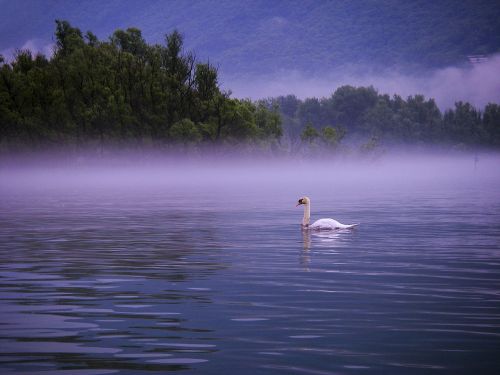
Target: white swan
pixel 321 224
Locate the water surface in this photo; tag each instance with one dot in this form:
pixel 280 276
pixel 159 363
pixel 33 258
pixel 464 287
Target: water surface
pixel 147 274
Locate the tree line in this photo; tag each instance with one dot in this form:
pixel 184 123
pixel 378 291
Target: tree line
pixel 122 90
pixel 363 116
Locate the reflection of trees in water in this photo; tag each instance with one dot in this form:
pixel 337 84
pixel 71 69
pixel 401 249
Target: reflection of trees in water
pixel 167 245
pixel 107 277
pixel 97 254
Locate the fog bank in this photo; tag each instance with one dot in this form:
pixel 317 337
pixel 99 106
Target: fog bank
pixel 477 83
pixel 253 176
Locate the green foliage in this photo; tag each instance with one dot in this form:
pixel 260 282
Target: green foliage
pixel 125 90
pixel 68 38
pixel 130 41
pixel 463 124
pixel 186 132
pixel 365 115
pixel 309 134
pixel 122 90
pixel 206 81
pixel 349 104
pixel 327 139
pixel 491 123
pixel 332 136
pixel 268 121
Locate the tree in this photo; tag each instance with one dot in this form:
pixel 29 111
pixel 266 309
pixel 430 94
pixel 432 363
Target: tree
pixel 268 121
pixel 349 104
pixel 206 83
pixel 309 111
pixel 424 119
pixel 122 90
pixel 332 136
pixel 130 41
pixel 68 38
pixel 309 134
pixel 463 124
pixel 491 124
pixel 185 132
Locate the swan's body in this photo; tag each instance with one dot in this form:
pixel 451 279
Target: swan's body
pixel 330 224
pixel 321 224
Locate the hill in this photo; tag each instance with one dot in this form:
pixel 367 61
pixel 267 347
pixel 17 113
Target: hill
pixel 255 37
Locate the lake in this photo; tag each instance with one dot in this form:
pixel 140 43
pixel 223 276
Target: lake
pixel 205 269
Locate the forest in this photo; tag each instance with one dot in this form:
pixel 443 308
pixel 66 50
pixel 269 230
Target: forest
pixel 122 91
pixel 125 92
pixel 362 116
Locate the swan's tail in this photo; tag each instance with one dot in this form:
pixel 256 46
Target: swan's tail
pixel 350 226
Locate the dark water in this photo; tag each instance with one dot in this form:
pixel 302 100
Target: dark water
pixel 217 277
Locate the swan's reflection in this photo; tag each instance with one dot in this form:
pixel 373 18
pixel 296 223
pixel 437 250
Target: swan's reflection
pixel 306 239
pixel 331 239
pixel 305 256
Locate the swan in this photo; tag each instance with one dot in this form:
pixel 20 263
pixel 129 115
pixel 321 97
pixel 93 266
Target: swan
pixel 321 224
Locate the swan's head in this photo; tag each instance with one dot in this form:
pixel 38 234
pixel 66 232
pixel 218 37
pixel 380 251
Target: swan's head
pixel 303 200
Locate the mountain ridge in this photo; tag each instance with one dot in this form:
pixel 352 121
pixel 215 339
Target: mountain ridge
pixel 260 37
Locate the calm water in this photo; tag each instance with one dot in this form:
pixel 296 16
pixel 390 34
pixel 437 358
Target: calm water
pixel 215 276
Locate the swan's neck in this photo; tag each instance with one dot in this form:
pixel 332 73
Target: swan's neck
pixel 307 215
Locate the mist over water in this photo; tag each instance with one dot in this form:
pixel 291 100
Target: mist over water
pixel 250 174
pixel 144 265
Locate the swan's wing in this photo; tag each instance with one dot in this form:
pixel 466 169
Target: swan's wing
pixel 330 224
